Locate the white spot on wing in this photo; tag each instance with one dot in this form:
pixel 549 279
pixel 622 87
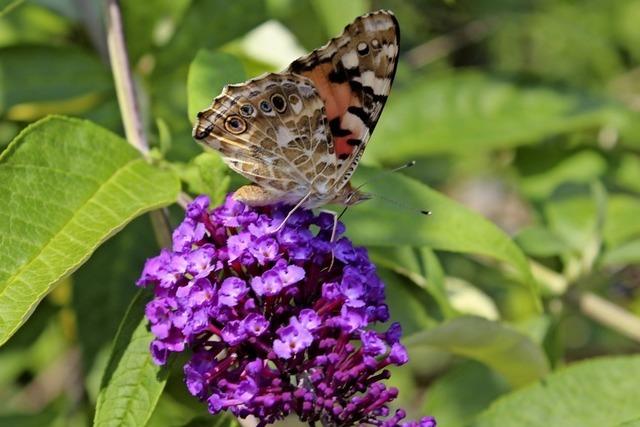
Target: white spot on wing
pixel 354 124
pixel 350 59
pixel 391 50
pixel 297 107
pixel 379 85
pixel 377 23
pixel 283 136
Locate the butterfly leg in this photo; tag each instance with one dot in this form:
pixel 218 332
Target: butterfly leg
pixel 333 234
pixel 254 195
pixel 293 209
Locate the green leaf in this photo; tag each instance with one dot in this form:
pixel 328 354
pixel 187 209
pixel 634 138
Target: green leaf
pixel 632 423
pixel 452 227
pixel 30 74
pixel 622 221
pixel 132 383
pixel 435 276
pixel 628 173
pixel 206 174
pixel 208 74
pixel 67 186
pixel 336 14
pixel 420 265
pixel 595 393
pixel 48 417
pixel 540 241
pixel 582 167
pixel 6 6
pixel 466 298
pixel 540 44
pixel 505 350
pixel 148 28
pixel 627 253
pixel 469 112
pixel 208 24
pixel 464 391
pixel 572 216
pixel 403 304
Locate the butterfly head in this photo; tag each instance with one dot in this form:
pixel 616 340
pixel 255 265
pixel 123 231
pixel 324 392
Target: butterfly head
pixel 349 196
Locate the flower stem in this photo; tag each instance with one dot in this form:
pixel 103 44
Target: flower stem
pixel 129 109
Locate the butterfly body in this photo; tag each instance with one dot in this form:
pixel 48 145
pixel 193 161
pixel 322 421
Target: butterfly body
pixel 298 135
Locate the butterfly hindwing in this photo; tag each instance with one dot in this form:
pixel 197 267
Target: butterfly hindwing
pixel 353 74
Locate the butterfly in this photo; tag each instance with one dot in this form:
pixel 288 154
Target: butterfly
pixel 298 135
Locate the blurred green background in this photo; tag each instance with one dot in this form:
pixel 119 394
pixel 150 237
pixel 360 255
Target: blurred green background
pixel 526 112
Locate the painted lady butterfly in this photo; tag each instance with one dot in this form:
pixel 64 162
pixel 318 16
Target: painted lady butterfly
pixel 299 134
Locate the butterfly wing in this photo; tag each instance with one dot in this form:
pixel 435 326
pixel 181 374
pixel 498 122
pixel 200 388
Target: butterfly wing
pixel 300 134
pixel 273 130
pixel 353 74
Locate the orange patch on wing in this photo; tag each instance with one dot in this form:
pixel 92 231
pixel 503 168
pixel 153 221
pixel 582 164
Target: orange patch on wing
pixel 337 98
pixel 342 147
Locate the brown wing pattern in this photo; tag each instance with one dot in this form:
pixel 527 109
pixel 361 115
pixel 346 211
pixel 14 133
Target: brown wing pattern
pixel 273 130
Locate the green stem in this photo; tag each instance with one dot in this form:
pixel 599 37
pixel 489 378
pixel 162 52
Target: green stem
pixel 127 99
pixel 606 313
pixel 129 109
pixel 591 305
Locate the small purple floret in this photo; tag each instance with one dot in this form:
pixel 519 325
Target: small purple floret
pixel 277 322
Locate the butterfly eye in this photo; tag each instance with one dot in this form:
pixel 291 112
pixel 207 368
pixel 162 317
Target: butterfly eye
pixel 235 124
pixel 265 106
pixel 363 48
pixel 247 110
pixel 279 103
pixel 375 44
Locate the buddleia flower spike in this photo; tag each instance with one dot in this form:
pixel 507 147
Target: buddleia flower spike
pixel 270 330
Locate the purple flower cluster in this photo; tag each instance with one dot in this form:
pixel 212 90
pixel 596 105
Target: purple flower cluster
pixel 278 320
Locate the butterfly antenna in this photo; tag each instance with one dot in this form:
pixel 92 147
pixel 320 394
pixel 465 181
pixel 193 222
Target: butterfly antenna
pixel 343 212
pixel 385 172
pixel 403 206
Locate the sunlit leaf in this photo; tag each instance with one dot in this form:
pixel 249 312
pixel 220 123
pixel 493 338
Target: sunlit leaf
pixel 452 227
pixel 132 383
pixel 588 394
pixel 67 185
pixel 206 174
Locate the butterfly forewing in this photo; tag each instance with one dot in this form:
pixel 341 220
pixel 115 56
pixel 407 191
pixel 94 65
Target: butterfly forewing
pixel 353 74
